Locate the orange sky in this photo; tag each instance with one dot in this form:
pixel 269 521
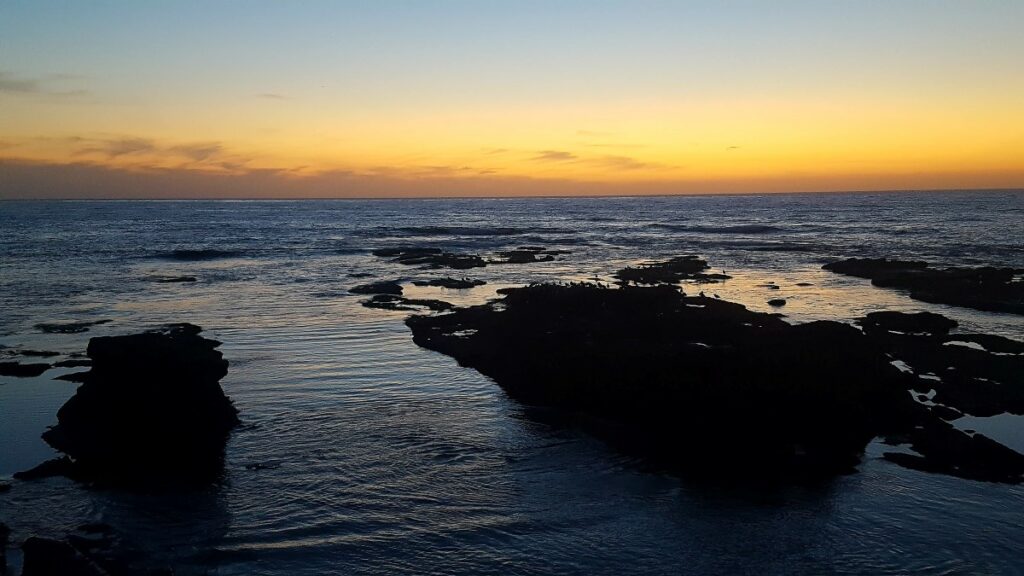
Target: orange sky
pixel 459 98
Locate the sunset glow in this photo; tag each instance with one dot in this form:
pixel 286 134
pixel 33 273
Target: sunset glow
pixel 477 98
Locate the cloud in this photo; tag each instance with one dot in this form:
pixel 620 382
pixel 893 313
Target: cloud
pixel 119 147
pixel 620 163
pixel 731 148
pixel 198 152
pixel 10 84
pixel 554 156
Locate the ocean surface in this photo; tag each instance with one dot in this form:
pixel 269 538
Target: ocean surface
pixel 361 453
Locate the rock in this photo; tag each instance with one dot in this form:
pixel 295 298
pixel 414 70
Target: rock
pixel 391 302
pixel 38 353
pixel 73 363
pixel 22 370
pixel 702 385
pixel 150 409
pixel 70 327
pixel 46 557
pixel 916 323
pixel 670 271
pixel 5 535
pixel 73 377
pixel 170 279
pixel 804 284
pixel 62 466
pixel 387 287
pixel 526 255
pixel 431 258
pixel 945 449
pixel 777 302
pixel 984 288
pixel 451 283
pixel 4 487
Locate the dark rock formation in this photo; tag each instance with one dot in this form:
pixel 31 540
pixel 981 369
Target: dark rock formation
pixel 985 288
pixel 62 466
pixel 150 409
pixel 670 271
pixel 70 327
pixel 4 487
pixel 46 557
pixel 73 377
pixel 37 353
pixel 170 279
pixel 451 283
pixel 709 387
pixel 777 302
pixel 701 384
pixel 431 258
pixel 391 302
pixel 22 370
pixel 526 255
pixel 387 287
pixel 5 534
pixel 916 323
pixel 73 363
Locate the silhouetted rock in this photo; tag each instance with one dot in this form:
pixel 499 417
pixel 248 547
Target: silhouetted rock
pixel 915 323
pixel 46 557
pixel 392 302
pixel 70 327
pixel 73 377
pixel 22 370
pixel 38 353
pixel 452 283
pixel 170 279
pixel 62 466
pixel 670 271
pixel 73 363
pixel 387 287
pixel 4 487
pixel 526 255
pixel 431 258
pixel 945 449
pixel 701 384
pixel 984 288
pixel 5 534
pixel 777 302
pixel 150 409
pixel 709 387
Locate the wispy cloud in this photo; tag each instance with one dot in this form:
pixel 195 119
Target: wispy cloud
pixel 554 156
pixel 18 85
pixel 620 163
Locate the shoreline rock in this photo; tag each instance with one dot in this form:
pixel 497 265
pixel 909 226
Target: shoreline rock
pixel 18 370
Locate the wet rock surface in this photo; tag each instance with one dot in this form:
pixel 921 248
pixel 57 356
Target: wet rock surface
pixel 386 287
pixel 431 258
pixel 670 271
pixel 151 409
pixel 527 255
pixel 450 283
pixel 706 386
pixel 392 302
pixel 984 288
pixel 69 327
pixel 19 370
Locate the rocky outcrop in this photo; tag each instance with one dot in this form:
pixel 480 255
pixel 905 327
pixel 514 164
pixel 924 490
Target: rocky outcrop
pixel 22 370
pixel 671 271
pixel 69 327
pixel 430 258
pixel 150 409
pixel 391 302
pixel 450 283
pixel 984 288
pixel 708 387
pixel 386 287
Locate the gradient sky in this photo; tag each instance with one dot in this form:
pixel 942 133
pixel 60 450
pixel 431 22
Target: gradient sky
pixel 394 98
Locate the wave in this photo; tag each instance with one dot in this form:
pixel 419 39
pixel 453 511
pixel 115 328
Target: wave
pixel 199 254
pixel 462 231
pixel 737 229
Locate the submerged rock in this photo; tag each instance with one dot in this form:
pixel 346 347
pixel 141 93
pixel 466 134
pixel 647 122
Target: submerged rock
pixel 451 283
pixel 151 408
pixel 777 302
pixel 391 302
pixel 916 323
pixel 709 387
pixel 984 288
pixel 70 327
pixel 670 271
pixel 22 370
pixel 431 258
pixel 527 255
pixel 386 287
pixel 170 279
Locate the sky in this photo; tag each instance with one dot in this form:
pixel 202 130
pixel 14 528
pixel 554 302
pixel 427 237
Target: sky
pixel 369 98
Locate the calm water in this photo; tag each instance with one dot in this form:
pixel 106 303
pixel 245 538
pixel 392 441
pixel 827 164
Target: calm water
pixel 383 458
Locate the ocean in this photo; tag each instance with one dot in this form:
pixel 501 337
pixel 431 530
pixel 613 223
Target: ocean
pixel 361 453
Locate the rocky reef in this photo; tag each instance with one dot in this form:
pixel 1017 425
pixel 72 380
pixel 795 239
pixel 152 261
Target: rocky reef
pixel 707 387
pixel 670 271
pixel 451 283
pixel 150 409
pixel 984 288
pixel 430 258
pixel 19 370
